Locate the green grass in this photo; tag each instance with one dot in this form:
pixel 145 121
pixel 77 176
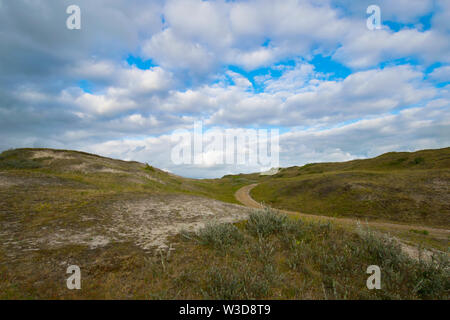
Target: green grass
pixel 401 187
pixel 424 159
pixel 220 236
pixel 266 223
pixel 269 256
pixel 295 260
pixel 221 189
pixel 424 232
pixel 70 190
pixel 92 171
pixel 18 159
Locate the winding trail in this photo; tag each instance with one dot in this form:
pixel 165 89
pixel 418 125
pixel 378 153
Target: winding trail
pixel 243 196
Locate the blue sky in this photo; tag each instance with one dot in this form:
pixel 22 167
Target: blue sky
pixel 138 70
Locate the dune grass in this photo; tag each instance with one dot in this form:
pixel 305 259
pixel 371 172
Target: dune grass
pixel 270 256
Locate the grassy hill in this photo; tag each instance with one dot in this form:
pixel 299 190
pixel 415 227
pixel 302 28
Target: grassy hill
pixel 114 219
pixel 76 169
pixel 396 186
pixel 60 207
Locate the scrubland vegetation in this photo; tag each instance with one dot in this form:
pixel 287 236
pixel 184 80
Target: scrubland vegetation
pixel 57 208
pixel 270 256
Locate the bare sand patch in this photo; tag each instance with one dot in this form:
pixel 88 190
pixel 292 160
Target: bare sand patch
pixel 87 168
pixel 50 154
pixel 149 222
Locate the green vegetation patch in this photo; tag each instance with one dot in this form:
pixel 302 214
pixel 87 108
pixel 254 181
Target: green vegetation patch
pixel 16 159
pixel 291 259
pixel 415 197
pixel 220 236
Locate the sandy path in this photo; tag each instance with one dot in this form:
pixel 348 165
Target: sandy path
pixel 243 196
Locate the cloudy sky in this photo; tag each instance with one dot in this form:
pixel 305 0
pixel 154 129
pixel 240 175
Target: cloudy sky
pixel 138 70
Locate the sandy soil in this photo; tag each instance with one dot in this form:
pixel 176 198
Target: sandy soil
pixel 243 196
pixel 151 221
pixel 50 154
pixel 148 221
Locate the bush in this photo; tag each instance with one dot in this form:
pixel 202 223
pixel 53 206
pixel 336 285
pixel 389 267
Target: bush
pixel 419 160
pixel 262 250
pixel 424 279
pixel 288 258
pixel 267 222
pixel 381 249
pixel 432 278
pixel 239 282
pixel 220 236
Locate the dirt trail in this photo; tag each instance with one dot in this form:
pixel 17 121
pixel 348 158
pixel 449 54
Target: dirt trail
pixel 243 196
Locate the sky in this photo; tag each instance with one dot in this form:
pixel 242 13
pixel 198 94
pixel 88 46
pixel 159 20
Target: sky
pixel 137 71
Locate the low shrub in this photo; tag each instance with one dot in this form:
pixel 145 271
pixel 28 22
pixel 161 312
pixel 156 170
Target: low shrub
pixel 241 281
pixel 220 236
pixel 266 222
